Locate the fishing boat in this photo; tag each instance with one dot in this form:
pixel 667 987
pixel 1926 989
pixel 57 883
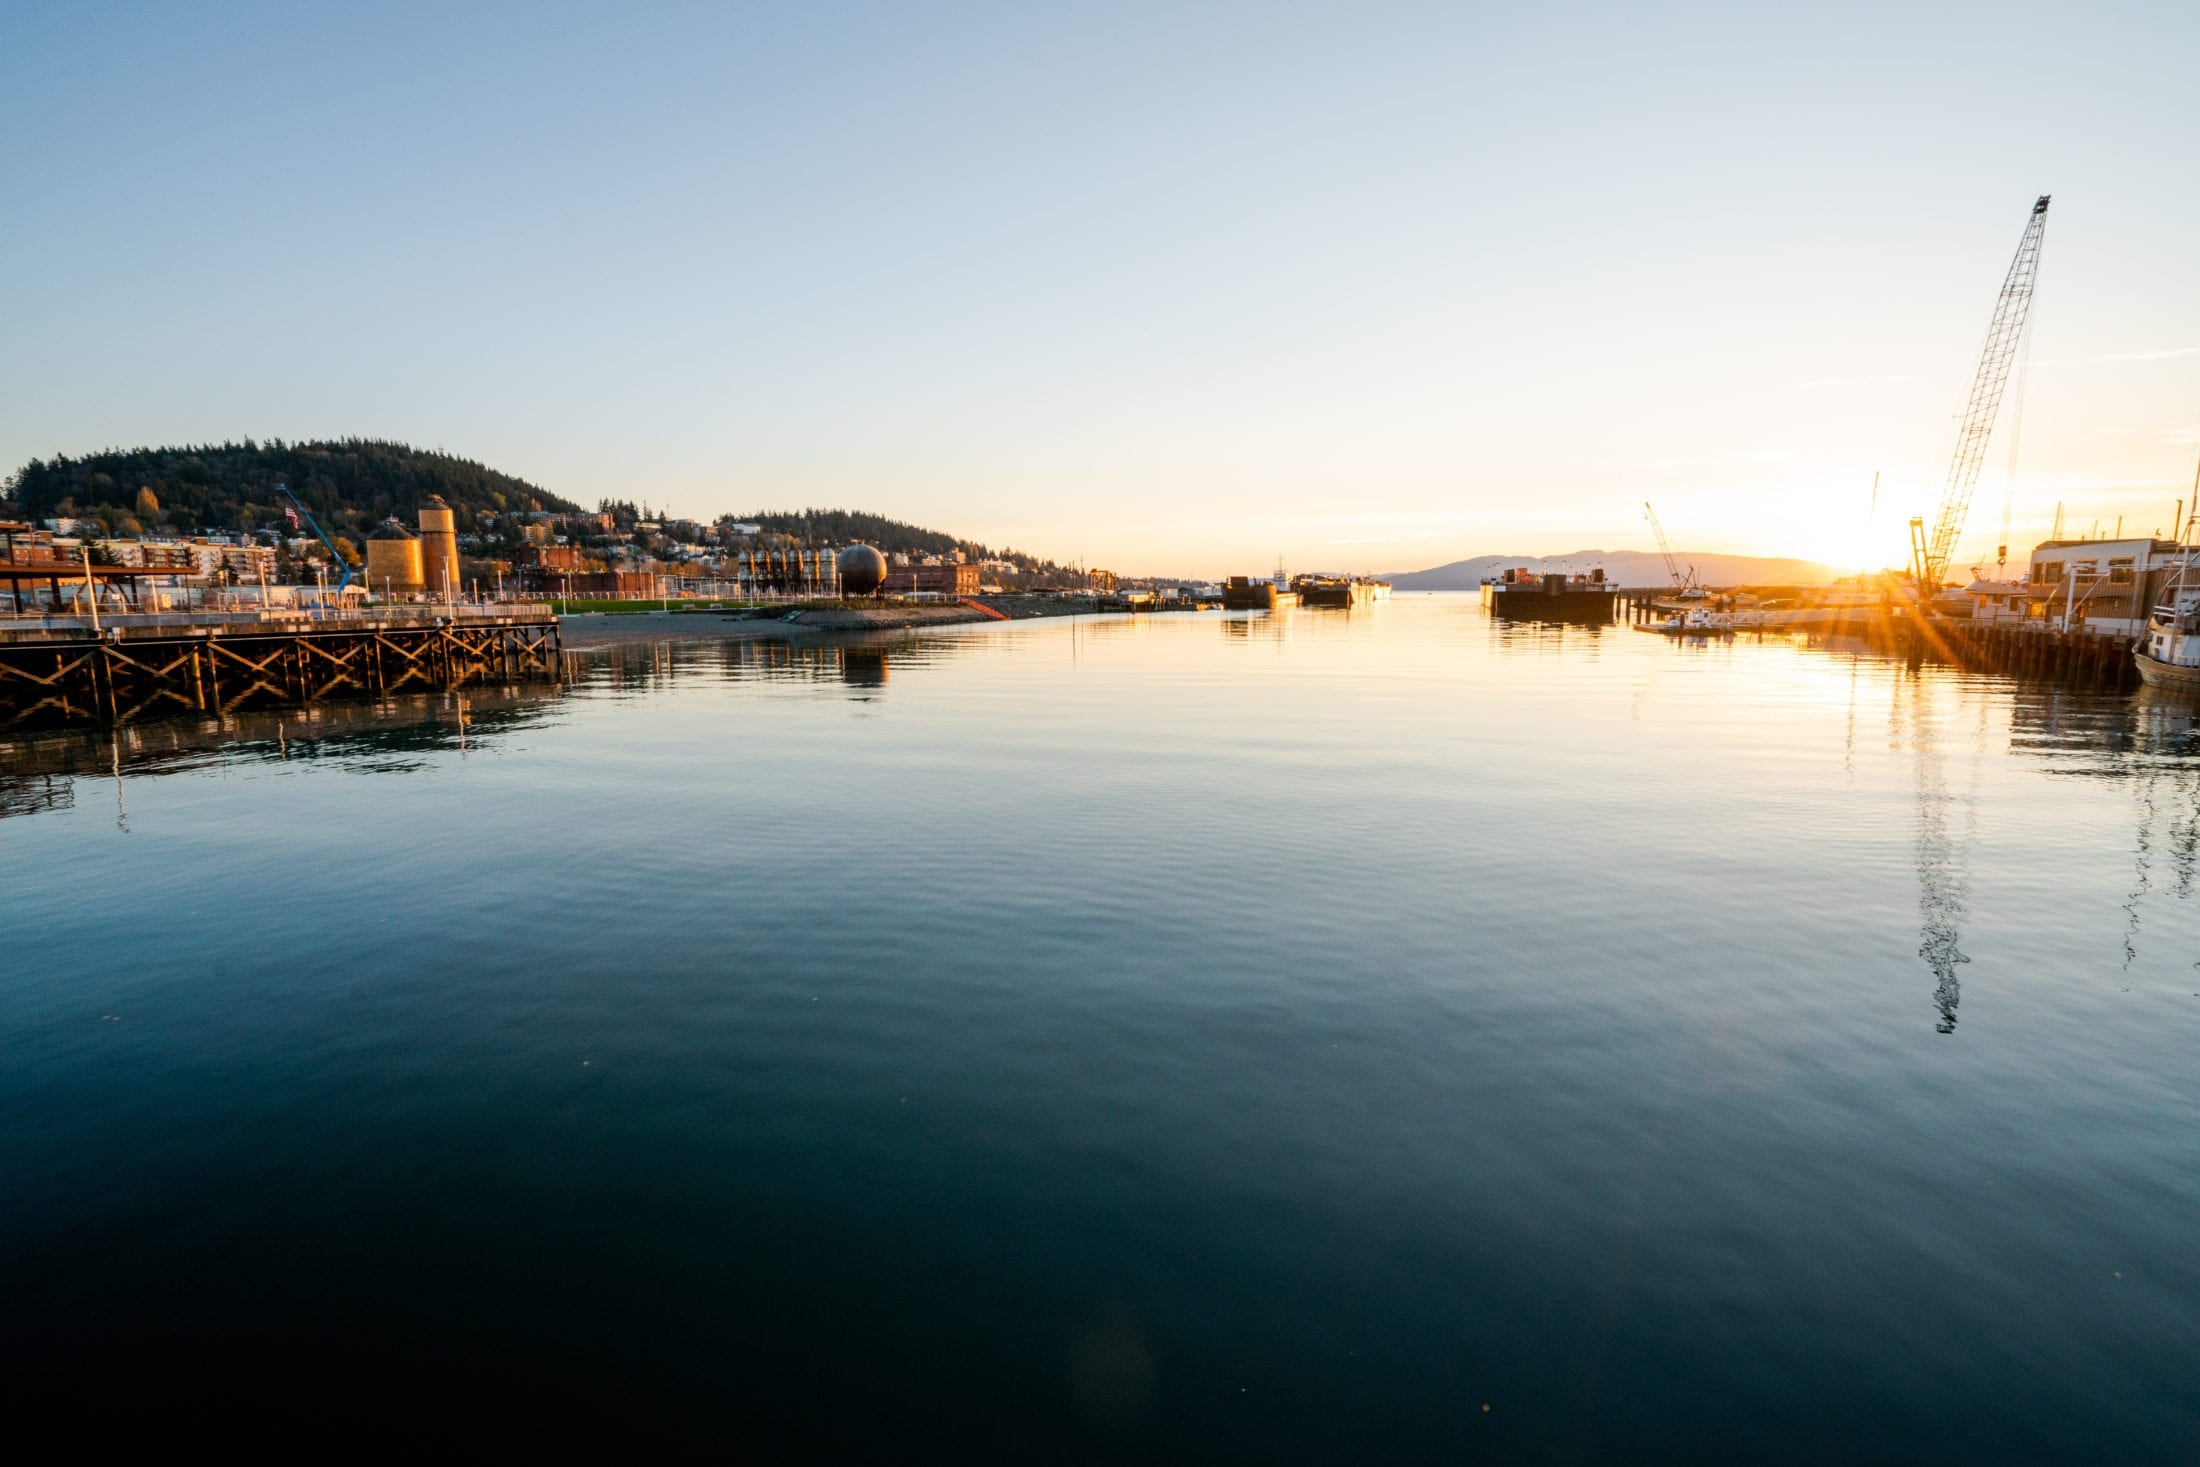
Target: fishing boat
pixel 2168 656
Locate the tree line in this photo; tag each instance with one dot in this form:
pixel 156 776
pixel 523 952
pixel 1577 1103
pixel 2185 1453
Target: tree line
pixel 350 485
pixel 848 526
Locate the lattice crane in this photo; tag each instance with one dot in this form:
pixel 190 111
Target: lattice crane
pixel 1672 566
pixel 2011 310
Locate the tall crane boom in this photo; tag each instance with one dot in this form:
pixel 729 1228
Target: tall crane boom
pixel 2011 311
pixel 1672 567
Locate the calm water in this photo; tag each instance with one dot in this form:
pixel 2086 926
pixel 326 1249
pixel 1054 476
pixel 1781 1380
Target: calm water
pixel 1394 1036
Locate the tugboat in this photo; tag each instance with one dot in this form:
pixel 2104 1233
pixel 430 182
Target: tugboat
pixel 2168 656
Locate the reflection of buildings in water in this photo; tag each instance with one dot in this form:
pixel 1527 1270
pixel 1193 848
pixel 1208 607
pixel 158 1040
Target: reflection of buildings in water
pixel 1525 627
pixel 38 770
pixel 1553 635
pixel 859 665
pixel 2107 735
pixel 863 667
pixel 2149 739
pixel 2165 792
pixel 1256 626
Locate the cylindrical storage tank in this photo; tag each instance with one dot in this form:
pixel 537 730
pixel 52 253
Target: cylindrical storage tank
pixel 862 571
pixel 438 548
pixel 393 560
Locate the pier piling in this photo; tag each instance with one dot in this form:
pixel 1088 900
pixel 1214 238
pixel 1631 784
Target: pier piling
pixel 132 668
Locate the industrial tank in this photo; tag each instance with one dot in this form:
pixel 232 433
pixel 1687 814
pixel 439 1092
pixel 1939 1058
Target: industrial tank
pixel 439 547
pixel 393 560
pixel 862 571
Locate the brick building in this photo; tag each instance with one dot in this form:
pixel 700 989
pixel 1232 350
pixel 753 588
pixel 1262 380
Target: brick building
pixel 942 580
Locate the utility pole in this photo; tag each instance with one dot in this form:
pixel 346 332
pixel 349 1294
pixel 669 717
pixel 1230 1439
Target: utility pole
pixel 91 592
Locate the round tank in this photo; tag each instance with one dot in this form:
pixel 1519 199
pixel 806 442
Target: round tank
pixel 862 571
pixel 438 546
pixel 394 565
pixel 393 559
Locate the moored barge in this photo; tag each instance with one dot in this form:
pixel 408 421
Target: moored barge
pixel 1255 593
pixel 1522 592
pixel 1340 591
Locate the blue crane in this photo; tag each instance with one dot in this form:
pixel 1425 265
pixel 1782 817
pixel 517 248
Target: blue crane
pixel 296 510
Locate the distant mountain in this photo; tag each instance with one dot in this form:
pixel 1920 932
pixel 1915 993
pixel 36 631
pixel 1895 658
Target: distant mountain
pixel 1628 567
pixel 348 484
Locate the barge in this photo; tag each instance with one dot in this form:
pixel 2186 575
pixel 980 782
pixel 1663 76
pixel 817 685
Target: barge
pixel 1339 591
pixel 1254 593
pixel 1522 592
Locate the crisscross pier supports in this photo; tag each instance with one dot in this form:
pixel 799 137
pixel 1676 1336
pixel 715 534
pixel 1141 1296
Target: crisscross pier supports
pixel 70 676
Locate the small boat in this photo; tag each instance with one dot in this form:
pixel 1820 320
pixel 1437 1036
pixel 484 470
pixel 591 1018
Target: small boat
pixel 2170 676
pixel 2168 656
pixel 1694 623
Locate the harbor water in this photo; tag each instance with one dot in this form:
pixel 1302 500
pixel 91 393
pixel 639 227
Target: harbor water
pixel 1391 1035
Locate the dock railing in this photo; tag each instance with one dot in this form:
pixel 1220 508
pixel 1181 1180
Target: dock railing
pixel 276 618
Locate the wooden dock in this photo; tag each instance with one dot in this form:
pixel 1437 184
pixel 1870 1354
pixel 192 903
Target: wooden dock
pixel 2080 656
pixel 60 670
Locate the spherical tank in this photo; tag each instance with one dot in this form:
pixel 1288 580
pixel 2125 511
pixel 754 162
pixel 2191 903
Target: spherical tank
pixel 862 570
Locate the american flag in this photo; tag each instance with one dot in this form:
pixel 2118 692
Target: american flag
pixel 292 511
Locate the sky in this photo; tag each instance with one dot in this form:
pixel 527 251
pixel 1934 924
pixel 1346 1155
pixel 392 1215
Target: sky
pixel 1175 289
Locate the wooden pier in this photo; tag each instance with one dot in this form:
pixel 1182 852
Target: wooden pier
pixel 123 668
pixel 2026 650
pixel 2033 650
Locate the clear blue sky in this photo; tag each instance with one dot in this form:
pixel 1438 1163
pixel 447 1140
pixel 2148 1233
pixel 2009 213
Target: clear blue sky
pixel 1176 288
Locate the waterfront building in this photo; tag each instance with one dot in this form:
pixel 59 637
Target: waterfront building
pixel 2102 586
pixel 608 585
pixel 938 580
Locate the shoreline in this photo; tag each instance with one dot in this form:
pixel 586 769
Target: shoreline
pixel 581 631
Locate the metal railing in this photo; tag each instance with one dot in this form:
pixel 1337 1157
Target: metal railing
pixel 332 617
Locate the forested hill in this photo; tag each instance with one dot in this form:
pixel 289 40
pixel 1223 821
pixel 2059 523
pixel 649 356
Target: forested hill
pixel 850 526
pixel 349 484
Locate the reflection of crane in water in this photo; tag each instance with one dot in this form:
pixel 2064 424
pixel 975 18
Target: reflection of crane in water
pixel 1943 873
